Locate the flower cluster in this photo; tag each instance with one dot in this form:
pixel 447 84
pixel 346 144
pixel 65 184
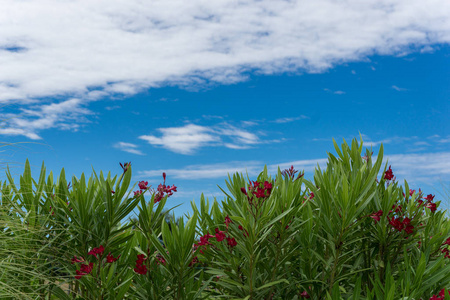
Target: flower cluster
pixel 140 267
pixel 389 175
pixel 84 270
pixel 445 249
pixel 163 189
pixel 99 250
pixel 219 236
pixel 258 189
pixel 440 296
pixel 291 173
pixel 396 218
pixel 401 223
pixel 110 259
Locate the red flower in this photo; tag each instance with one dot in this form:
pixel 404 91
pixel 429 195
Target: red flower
pixel 220 235
pixel 77 260
pixel 305 295
pixel 311 195
pixel 110 259
pixel 228 221
pixel 447 242
pixel 143 185
pixel 243 190
pixel 429 198
pixel 96 251
pixel 396 224
pixel 137 193
pixel 376 216
pixel 141 269
pixel 388 175
pixel 268 186
pixel 411 192
pixel 140 259
pixel 231 242
pixel 194 261
pixel 160 259
pixel 84 270
pixel 431 206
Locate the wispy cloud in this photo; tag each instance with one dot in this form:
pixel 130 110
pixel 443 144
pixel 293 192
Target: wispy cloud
pixel 288 120
pixel 65 115
pixel 399 89
pixel 191 137
pixel 128 147
pixel 334 92
pixel 112 107
pixel 133 45
pixel 183 140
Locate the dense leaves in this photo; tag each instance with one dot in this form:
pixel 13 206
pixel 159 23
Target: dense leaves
pixel 352 232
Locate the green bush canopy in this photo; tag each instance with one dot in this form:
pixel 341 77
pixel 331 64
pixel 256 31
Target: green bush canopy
pixel 351 232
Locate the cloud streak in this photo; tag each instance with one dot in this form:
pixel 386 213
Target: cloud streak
pixel 95 49
pixel 128 147
pixel 189 138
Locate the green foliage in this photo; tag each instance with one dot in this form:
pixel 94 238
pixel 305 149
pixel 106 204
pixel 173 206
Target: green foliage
pixel 351 233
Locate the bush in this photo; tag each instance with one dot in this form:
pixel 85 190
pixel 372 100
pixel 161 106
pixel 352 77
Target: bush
pixel 343 235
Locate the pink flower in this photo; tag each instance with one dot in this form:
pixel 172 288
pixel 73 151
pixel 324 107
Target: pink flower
pixel 160 259
pixel 96 251
pixel 305 295
pixel 220 235
pixel 77 260
pixel 143 185
pixel 228 221
pixel 84 270
pixel 110 259
pixel 376 216
pixel 137 193
pixel 431 206
pixel 140 267
pixel 429 198
pixel 396 224
pixel 194 261
pixel 388 175
pixel 231 242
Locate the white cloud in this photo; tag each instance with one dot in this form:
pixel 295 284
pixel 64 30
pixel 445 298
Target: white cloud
pixel 288 120
pixel 189 138
pixel 399 89
pixel 64 115
pixel 424 167
pixel 334 92
pixel 128 147
pixel 183 140
pixel 92 49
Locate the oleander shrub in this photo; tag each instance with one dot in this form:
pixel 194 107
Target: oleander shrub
pixel 351 232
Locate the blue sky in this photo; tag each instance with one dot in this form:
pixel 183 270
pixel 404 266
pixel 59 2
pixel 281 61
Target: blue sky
pixel 194 95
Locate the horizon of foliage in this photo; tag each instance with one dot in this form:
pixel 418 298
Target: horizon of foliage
pixel 351 232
